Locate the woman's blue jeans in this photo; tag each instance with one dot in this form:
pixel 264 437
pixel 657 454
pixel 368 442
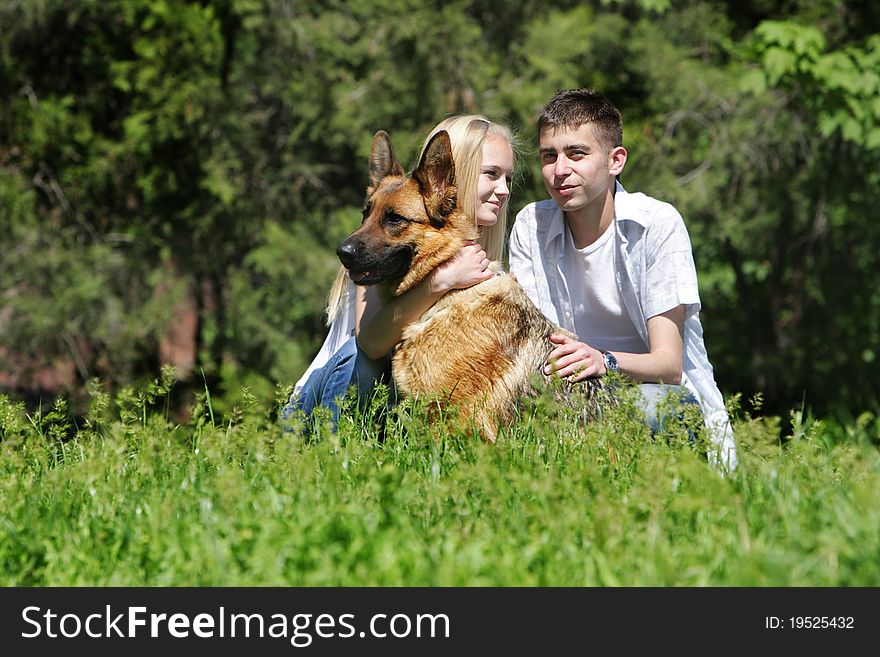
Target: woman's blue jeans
pixel 348 367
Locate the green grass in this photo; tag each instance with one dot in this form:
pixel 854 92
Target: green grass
pixel 134 499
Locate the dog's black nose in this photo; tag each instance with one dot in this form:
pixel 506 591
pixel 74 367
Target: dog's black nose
pixel 346 249
pixel 347 252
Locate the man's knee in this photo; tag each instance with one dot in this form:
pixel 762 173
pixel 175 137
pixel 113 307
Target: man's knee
pixel 661 402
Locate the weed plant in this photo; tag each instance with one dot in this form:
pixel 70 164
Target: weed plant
pixel 127 497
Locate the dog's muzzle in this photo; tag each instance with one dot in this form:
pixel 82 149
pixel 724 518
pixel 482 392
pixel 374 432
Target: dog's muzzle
pixel 370 266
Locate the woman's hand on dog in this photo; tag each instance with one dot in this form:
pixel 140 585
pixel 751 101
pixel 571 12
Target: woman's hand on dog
pixel 574 359
pixel 466 268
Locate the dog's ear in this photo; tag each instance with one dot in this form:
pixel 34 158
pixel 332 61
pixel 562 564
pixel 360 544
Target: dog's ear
pixel 382 162
pixel 436 178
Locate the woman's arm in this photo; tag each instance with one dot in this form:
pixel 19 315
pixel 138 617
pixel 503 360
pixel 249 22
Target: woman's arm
pixel 379 326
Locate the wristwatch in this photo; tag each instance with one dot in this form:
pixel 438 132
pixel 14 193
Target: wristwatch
pixel 611 364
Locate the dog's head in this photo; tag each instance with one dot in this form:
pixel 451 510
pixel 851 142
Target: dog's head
pixel 411 224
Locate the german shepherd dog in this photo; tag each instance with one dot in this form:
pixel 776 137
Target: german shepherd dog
pixel 479 348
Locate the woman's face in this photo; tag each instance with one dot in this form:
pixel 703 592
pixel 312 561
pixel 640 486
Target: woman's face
pixel 496 171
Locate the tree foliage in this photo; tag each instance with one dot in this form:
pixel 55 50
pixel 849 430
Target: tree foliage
pixel 166 154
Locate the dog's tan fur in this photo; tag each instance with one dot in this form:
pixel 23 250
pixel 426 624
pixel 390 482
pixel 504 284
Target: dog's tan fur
pixel 477 348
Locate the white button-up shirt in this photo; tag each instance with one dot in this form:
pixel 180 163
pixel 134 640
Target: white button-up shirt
pixel 341 330
pixel 654 271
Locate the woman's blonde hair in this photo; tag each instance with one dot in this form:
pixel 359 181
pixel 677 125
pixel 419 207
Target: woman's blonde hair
pixel 467 134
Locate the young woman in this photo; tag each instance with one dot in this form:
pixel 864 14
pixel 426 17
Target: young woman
pixel 363 329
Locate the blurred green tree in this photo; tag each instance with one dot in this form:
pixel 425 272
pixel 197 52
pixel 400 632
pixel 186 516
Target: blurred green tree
pixel 175 174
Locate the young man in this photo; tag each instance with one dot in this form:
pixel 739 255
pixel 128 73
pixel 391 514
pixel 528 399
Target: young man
pixel 614 268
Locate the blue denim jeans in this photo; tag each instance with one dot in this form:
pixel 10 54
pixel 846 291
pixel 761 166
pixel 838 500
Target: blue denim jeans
pixel 349 366
pixel 652 401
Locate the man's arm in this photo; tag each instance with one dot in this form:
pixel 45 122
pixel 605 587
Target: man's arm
pixel 521 259
pixel 662 364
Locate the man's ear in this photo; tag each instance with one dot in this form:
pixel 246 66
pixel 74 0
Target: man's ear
pixel 436 178
pixel 616 160
pixel 382 161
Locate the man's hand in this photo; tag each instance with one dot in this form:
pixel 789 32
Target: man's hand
pixel 574 359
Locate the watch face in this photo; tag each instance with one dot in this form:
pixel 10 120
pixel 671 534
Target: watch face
pixel 611 362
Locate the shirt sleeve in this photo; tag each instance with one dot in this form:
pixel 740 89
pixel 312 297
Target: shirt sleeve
pixel 521 257
pixel 670 272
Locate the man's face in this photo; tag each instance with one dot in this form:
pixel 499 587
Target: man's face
pixel 575 167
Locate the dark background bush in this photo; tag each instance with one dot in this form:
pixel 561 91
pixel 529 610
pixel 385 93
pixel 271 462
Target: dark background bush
pixel 174 176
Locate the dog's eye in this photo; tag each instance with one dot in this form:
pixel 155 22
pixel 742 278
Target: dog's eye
pixel 394 218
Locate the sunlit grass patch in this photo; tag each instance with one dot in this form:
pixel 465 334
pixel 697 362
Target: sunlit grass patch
pixel 126 496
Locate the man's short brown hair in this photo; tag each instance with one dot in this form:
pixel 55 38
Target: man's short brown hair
pixel 572 108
